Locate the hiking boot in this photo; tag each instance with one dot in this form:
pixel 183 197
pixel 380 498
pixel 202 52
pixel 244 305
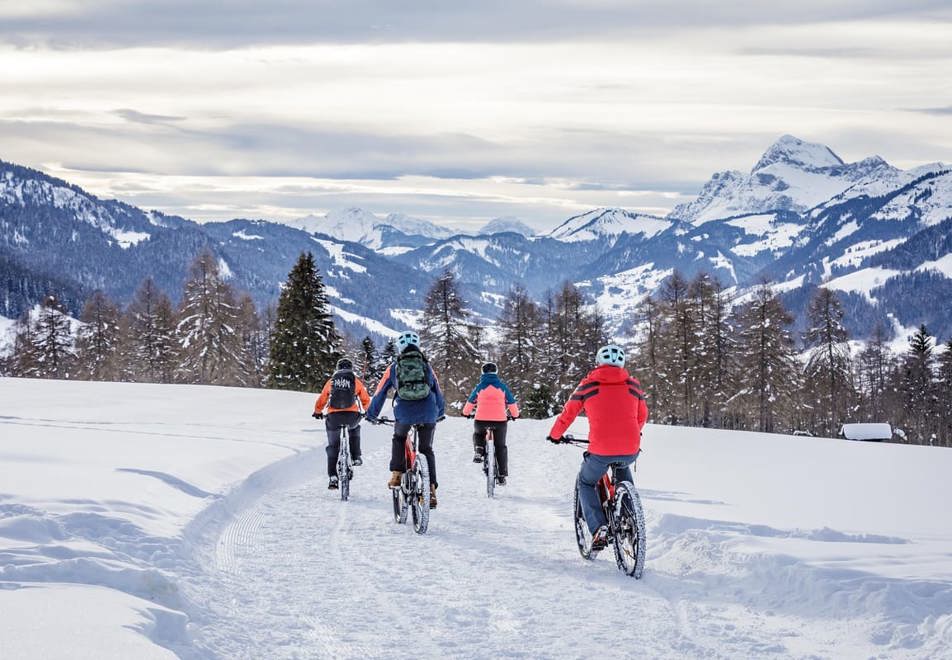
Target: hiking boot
pixel 395 477
pixel 332 484
pixel 432 497
pixel 477 457
pixel 600 538
pixel 501 480
pixel 358 461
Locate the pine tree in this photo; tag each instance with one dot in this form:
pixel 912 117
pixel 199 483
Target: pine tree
pixel 98 339
pixel 573 332
pixel 24 358
pixel 149 348
pixel 539 404
pixel 305 343
pixel 50 350
pixel 368 362
pixel 919 386
pixel 387 356
pixel 767 359
pixel 520 329
pixel 714 370
pixel 254 342
pixel 212 351
pixel 653 371
pixel 828 369
pixel 945 395
pixel 448 339
pixel 875 365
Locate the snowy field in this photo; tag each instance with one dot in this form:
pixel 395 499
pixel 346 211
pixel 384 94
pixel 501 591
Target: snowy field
pixel 152 521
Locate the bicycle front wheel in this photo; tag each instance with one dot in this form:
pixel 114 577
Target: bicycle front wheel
pixel 630 530
pixel 420 495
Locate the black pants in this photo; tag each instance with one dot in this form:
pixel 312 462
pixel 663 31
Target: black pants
pixel 398 459
pixel 334 422
pixel 499 438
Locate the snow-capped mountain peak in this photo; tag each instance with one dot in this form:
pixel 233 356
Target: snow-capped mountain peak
pixel 361 226
pixel 791 150
pixel 507 224
pixel 608 223
pixel 792 175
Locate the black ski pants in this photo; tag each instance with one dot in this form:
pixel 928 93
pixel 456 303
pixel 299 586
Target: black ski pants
pixel 499 438
pixel 334 422
pixel 398 458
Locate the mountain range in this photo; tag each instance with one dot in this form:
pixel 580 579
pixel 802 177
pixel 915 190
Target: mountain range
pixel 800 218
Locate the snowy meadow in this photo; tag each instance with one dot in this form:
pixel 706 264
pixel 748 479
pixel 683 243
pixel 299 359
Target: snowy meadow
pixel 160 521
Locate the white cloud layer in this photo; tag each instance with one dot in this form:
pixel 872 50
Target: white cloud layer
pixel 537 120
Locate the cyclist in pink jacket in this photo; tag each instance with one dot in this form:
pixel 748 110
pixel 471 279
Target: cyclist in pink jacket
pixel 493 404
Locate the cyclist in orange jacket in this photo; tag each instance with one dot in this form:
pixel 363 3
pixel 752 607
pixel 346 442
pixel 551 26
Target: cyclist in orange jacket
pixel 343 398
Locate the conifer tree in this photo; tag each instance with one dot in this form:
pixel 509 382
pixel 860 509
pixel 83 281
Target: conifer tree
pixel 944 388
pixel 98 339
pixel 387 356
pixel 539 404
pixel 520 341
pixel 828 371
pixel 367 362
pixel 150 350
pixel 875 365
pixel 767 359
pixel 448 339
pixel 254 342
pixel 45 344
pixel 211 347
pixel 24 358
pixel 714 365
pixel 919 386
pixel 305 345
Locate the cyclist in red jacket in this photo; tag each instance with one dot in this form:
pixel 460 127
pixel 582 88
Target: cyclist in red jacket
pixel 615 406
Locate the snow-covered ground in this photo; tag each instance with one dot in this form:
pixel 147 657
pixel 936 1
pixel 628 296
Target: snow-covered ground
pixel 142 521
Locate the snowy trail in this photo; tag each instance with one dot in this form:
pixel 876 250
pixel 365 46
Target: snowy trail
pixel 301 574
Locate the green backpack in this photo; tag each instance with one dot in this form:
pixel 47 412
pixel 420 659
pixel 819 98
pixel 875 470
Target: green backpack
pixel 412 384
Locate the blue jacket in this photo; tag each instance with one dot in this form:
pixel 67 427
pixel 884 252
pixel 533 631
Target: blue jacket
pixel 424 411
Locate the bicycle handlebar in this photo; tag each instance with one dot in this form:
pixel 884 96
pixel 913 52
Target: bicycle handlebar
pixel 572 440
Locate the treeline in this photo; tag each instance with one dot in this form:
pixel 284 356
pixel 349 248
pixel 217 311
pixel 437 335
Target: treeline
pixel 705 358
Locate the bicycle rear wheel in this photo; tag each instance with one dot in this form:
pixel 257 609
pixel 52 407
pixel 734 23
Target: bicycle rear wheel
pixel 489 460
pixel 420 494
pixel 583 537
pixel 630 530
pixel 343 466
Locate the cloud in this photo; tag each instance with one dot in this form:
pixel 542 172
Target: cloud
pixel 143 118
pixel 947 110
pixel 81 23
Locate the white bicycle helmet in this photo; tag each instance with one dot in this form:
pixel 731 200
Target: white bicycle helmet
pixel 611 354
pixel 408 338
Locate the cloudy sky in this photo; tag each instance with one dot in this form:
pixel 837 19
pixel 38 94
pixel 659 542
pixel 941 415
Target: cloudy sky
pixel 458 111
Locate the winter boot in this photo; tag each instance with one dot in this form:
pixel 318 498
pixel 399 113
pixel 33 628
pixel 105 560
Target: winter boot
pixel 332 484
pixel 478 455
pixel 395 477
pixel 501 480
pixel 600 538
pixel 358 461
pixel 432 496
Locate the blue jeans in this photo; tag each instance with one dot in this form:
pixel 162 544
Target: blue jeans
pixel 593 467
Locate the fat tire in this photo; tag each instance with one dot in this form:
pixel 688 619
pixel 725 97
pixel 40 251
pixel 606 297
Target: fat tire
pixel 343 466
pixel 489 459
pixel 629 532
pixel 420 495
pixel 582 536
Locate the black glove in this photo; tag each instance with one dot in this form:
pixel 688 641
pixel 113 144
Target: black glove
pixel 317 415
pixel 554 441
pixel 440 418
pixel 470 416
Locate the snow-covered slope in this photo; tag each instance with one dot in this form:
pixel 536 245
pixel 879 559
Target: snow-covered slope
pixel 608 223
pixel 199 518
pixel 360 226
pixel 507 224
pixel 792 175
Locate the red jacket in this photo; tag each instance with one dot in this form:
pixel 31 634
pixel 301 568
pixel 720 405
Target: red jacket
pixel 615 405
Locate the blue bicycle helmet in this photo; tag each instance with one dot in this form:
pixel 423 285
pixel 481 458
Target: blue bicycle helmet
pixel 611 354
pixel 407 338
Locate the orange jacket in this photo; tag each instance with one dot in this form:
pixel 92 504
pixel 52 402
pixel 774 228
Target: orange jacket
pixel 359 389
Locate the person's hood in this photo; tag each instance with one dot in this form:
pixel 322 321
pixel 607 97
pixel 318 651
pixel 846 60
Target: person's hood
pixel 608 373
